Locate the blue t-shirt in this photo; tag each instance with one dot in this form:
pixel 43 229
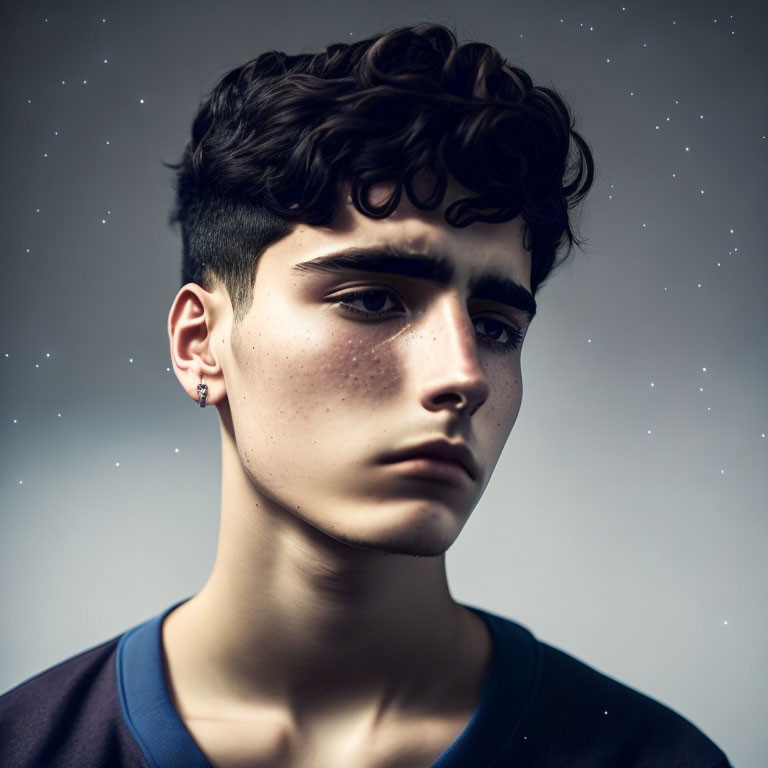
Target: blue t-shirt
pixel 110 706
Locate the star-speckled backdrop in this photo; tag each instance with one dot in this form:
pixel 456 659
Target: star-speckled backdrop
pixel 626 520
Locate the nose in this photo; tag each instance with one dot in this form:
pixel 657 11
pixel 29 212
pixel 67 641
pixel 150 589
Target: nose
pixel 447 361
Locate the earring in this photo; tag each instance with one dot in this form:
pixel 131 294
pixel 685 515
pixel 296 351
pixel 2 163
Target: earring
pixel 203 390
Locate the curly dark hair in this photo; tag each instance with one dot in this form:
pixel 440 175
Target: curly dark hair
pixel 276 137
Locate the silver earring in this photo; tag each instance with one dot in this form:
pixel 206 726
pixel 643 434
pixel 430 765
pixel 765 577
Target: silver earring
pixel 203 390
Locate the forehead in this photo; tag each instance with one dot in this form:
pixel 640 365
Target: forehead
pixel 469 253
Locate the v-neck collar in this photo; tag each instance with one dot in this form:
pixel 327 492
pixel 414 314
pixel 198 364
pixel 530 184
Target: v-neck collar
pixel 509 689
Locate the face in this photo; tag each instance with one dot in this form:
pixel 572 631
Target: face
pixel 321 385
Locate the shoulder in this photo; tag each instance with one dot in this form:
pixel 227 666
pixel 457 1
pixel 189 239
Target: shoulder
pixel 68 714
pixel 562 711
pixel 586 707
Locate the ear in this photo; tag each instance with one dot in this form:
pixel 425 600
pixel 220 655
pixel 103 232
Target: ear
pixel 191 324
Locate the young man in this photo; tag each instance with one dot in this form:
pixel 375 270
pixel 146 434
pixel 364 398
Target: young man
pixel 364 232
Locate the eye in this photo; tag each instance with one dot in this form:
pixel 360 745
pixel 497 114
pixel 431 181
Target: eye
pixel 514 337
pixel 373 296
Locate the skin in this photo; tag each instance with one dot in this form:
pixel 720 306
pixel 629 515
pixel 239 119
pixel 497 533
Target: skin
pixel 327 613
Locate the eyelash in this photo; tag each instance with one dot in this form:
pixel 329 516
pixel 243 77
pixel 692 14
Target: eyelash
pixel 515 335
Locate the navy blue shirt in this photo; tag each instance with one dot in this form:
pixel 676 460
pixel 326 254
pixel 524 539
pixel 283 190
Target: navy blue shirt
pixel 110 706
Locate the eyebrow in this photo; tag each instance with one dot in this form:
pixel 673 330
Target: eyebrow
pixel 437 269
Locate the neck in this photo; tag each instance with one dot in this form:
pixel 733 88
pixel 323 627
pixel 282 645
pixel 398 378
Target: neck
pixel 295 619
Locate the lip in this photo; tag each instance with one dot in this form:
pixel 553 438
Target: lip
pixel 440 469
pixel 439 455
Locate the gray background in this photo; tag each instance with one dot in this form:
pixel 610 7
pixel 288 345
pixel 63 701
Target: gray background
pixel 623 523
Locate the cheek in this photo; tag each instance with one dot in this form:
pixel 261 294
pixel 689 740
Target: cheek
pixel 506 384
pixel 349 369
pixel 299 378
pixel 305 403
pixel 340 376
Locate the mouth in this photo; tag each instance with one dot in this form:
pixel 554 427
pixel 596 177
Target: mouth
pixel 438 456
pixel 433 468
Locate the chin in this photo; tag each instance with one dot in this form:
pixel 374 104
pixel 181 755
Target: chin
pixel 413 544
pixel 416 527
